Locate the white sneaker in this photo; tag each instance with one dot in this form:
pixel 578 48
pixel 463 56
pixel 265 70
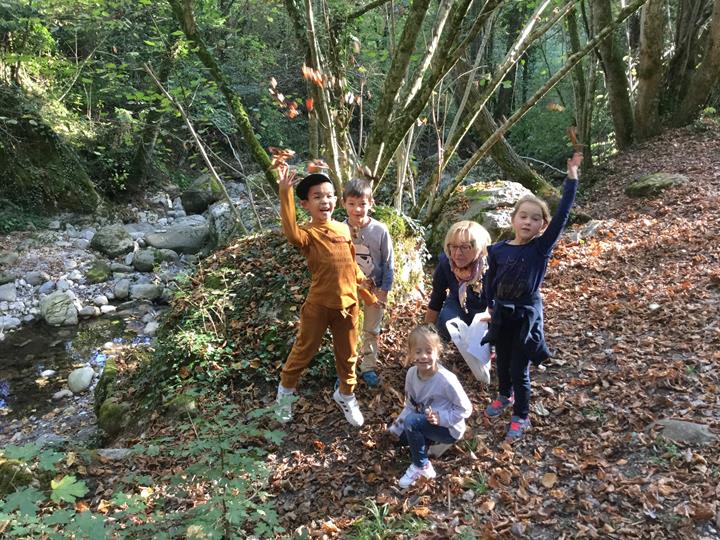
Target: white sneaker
pixel 350 408
pixel 284 401
pixel 438 449
pixel 413 473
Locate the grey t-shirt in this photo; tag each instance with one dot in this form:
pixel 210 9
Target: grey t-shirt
pixel 374 252
pixel 443 393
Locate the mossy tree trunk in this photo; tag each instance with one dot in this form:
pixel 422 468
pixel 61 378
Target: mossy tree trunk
pixel 649 72
pixel 705 77
pixel 183 10
pixel 141 165
pixel 616 82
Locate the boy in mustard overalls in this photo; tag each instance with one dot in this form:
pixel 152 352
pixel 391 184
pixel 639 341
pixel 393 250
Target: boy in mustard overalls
pixel 332 301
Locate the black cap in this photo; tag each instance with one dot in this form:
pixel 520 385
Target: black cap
pixel 303 187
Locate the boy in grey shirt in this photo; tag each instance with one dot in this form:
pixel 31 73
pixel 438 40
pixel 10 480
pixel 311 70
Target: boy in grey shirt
pixel 374 256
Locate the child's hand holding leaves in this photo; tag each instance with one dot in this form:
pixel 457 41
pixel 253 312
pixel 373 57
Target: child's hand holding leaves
pixel 573 165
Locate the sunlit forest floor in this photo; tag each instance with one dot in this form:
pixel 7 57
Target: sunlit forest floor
pixel 632 316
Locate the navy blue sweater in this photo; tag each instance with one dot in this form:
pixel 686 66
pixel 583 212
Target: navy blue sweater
pixel 444 280
pixel 516 272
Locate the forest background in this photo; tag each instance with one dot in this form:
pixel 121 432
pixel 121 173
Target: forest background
pixel 105 101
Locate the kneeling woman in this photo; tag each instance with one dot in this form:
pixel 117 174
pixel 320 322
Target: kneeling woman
pixel 457 281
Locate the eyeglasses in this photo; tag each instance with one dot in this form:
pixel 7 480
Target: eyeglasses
pixel 462 248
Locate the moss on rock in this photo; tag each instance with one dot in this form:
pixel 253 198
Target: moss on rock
pixel 106 383
pixel 14 474
pixel 41 171
pixel 112 417
pixel 653 184
pixel 98 272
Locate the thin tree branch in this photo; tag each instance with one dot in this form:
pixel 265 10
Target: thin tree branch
pixel 201 148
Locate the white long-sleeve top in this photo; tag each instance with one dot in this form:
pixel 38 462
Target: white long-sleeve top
pixel 443 393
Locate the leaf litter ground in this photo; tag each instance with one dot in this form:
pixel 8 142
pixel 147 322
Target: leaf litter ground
pixel 633 316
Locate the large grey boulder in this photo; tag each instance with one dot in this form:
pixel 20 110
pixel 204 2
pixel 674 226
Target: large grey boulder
pixel 9 323
pixel 112 240
pixel 58 309
pixel 199 196
pixel 221 223
pixel 685 432
pixel 145 291
pixel 7 277
pixel 36 277
pixel 144 260
pixel 8 292
pixel 653 184
pixel 186 235
pixel 488 203
pixel 80 379
pixel 122 289
pixel 8 257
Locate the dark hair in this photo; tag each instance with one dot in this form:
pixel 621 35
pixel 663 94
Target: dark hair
pixel 315 179
pixel 358 187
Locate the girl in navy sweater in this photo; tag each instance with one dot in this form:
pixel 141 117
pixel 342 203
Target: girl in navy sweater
pixel 516 269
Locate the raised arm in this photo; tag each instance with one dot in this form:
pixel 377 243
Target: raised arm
pixel 288 216
pixel 547 240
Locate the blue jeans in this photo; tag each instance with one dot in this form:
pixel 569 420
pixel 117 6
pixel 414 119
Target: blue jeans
pixel 451 309
pixel 419 433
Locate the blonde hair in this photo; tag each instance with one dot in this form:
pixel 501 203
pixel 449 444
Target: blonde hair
pixel 424 334
pixel 533 200
pixel 471 231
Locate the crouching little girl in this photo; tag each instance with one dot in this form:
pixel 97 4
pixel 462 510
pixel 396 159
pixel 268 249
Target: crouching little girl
pixel 436 406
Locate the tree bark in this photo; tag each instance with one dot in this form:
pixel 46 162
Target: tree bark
pixel 649 73
pixel 183 12
pixel 502 153
pixel 140 166
pixel 572 60
pixel 705 76
pixel 504 102
pixel 583 91
pixel 686 52
pixel 616 81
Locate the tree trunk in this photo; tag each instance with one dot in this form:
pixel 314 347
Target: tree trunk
pixel 686 52
pixel 611 54
pixel 502 153
pixel 504 102
pixel 705 76
pixel 141 164
pixel 572 60
pixel 649 73
pixel 583 91
pixel 184 15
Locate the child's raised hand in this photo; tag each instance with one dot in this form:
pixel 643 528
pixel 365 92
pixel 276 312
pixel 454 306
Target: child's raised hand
pixel 573 164
pixel 286 177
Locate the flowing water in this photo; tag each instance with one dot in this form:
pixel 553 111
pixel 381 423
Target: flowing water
pixel 25 390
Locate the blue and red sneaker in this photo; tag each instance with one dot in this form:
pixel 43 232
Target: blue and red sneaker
pixel 518 427
pixel 498 405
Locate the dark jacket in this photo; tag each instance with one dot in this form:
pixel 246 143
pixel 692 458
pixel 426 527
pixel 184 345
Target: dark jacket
pixel 528 312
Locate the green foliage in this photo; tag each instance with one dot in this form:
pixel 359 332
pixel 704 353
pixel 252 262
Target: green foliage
pixel 67 489
pixel 224 461
pixel 380 524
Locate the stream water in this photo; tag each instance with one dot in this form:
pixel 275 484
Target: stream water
pixel 27 359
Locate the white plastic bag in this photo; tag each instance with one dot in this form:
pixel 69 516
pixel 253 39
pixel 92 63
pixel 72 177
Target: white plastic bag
pixel 467 340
